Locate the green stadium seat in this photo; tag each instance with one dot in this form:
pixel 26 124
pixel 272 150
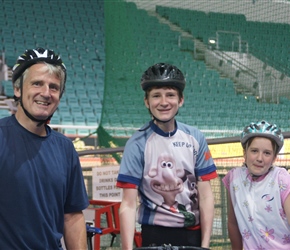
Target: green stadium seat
pixel 67 120
pixel 56 119
pixel 79 119
pixel 83 132
pixel 70 131
pixel 4 113
pixel 8 88
pixel 92 120
pixel 76 110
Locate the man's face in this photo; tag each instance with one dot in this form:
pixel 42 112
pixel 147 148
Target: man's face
pixel 40 93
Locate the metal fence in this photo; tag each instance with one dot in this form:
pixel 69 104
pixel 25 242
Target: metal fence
pixel 104 157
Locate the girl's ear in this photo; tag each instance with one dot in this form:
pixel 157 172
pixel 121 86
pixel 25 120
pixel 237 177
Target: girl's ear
pixel 275 157
pixel 244 154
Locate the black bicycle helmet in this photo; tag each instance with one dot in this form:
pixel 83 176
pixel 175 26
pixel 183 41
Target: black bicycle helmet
pixel 32 56
pixel 162 74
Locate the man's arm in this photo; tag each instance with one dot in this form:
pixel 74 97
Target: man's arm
pixel 233 229
pixel 75 234
pixel 127 214
pixel 206 207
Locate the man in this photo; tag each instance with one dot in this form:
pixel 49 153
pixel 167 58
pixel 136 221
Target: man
pixel 169 165
pixel 42 192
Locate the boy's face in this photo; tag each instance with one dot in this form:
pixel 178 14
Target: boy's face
pixel 163 102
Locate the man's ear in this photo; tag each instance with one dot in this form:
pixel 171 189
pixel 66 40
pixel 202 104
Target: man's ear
pixel 17 92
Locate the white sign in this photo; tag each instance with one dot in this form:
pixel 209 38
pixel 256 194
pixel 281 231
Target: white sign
pixel 104 183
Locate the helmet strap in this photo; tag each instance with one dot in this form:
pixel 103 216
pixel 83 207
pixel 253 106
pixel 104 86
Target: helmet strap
pixel 156 119
pixel 148 126
pixel 40 122
pixel 258 176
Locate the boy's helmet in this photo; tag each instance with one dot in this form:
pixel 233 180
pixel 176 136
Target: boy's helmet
pixel 263 129
pixel 32 56
pixel 162 74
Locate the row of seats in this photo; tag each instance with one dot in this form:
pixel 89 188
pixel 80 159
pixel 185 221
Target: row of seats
pixel 79 38
pixel 73 29
pixel 206 93
pixel 80 119
pixel 119 107
pixel 267 41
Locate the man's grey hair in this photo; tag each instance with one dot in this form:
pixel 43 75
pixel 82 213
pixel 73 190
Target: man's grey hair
pixel 52 69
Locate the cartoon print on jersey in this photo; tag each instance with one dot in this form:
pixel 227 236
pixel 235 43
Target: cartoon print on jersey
pixel 167 181
pixel 193 194
pixel 191 185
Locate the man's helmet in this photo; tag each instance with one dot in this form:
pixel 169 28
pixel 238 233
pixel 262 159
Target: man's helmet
pixel 162 74
pixel 26 60
pixel 263 129
pixel 32 56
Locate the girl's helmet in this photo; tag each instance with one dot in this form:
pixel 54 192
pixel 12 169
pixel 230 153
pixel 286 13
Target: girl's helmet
pixel 162 74
pixel 263 129
pixel 32 56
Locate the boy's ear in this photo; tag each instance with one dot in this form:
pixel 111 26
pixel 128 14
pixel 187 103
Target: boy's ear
pixel 146 102
pixel 181 101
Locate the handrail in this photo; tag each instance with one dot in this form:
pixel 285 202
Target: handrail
pixel 214 141
pixel 236 63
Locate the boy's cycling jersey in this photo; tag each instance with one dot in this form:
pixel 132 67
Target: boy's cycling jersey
pixel 166 167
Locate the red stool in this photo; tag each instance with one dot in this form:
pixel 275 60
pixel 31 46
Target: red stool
pixel 111 211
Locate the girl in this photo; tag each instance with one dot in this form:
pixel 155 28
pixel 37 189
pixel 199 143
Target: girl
pixel 258 192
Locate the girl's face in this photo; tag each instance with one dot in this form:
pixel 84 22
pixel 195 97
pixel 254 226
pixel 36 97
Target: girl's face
pixel 259 156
